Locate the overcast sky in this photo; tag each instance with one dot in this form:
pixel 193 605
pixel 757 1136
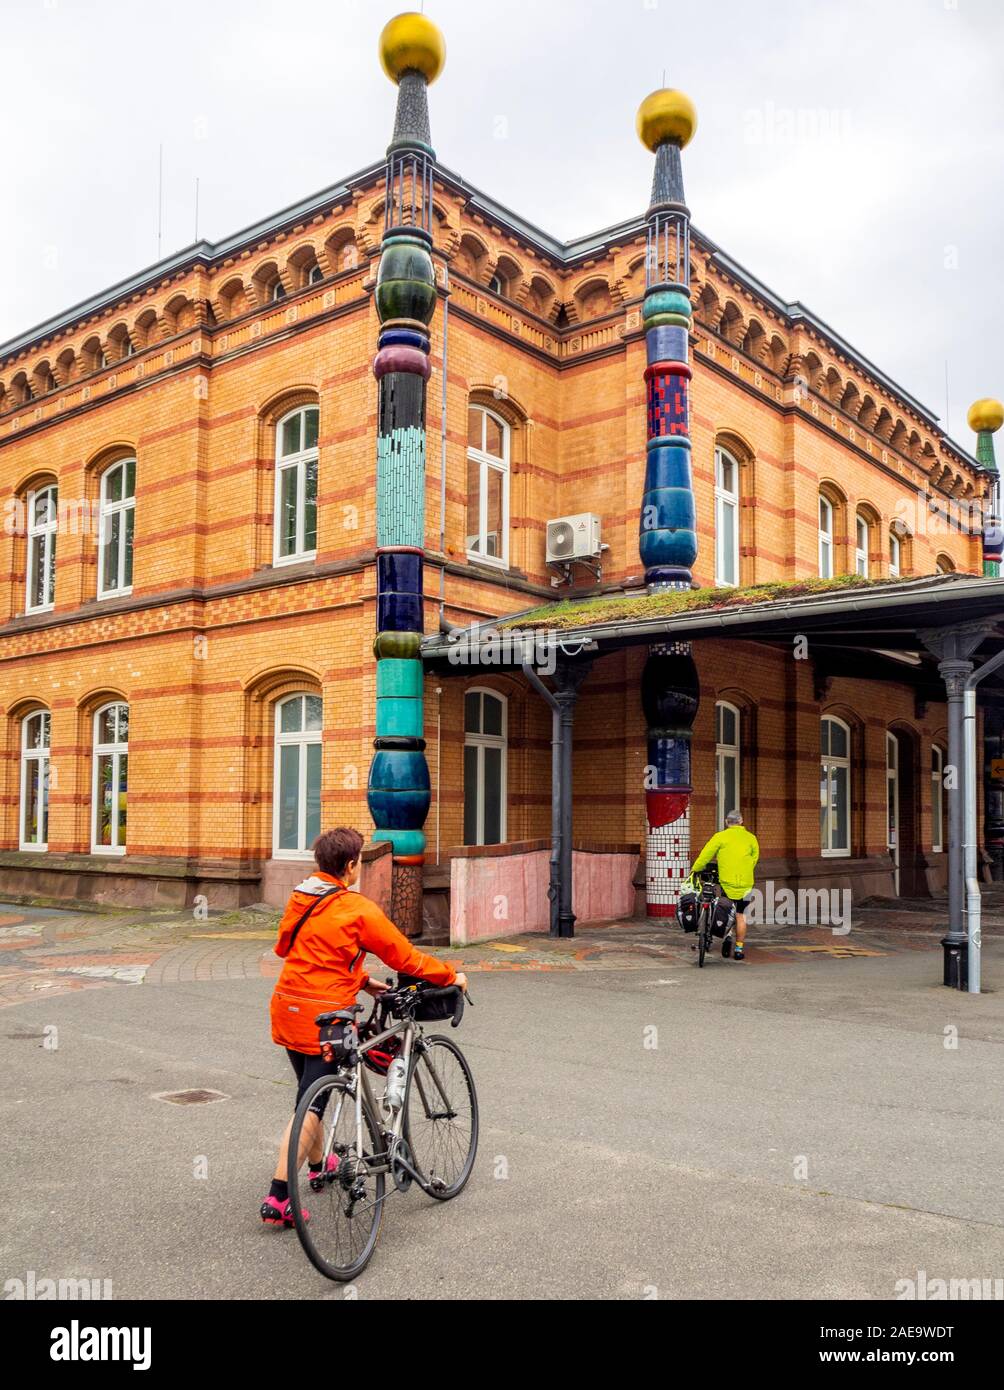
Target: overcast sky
pixel 848 154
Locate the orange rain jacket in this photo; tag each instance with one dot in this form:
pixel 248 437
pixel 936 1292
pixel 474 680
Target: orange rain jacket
pixel 325 969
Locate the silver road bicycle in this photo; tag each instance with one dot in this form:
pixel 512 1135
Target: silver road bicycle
pixel 420 1128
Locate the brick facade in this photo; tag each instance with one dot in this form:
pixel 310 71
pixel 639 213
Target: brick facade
pixel 199 364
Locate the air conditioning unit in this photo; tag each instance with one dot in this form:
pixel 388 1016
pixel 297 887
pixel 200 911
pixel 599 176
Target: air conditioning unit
pixel 572 538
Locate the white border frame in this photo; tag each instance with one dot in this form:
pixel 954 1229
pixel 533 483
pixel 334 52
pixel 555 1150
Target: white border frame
pixel 45 535
pixel 299 461
pixel 116 751
pixel 485 463
pixel 727 750
pixel 106 510
pixel 723 499
pixel 302 738
pixel 830 760
pixel 39 756
pixel 861 556
pixel 826 537
pixel 482 741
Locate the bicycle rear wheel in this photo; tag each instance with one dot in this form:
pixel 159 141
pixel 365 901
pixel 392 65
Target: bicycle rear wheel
pixel 703 932
pixel 441 1117
pixel 344 1204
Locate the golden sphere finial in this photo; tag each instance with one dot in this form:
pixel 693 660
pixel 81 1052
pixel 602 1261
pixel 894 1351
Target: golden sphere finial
pixel 666 114
pixel 987 414
pixel 411 43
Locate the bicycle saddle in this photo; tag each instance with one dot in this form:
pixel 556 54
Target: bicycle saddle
pixel 345 1015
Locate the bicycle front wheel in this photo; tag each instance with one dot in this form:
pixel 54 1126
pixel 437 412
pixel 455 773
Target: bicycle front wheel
pixel 441 1117
pixel 337 1212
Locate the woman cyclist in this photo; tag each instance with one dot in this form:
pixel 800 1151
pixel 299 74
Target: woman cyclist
pixel 323 972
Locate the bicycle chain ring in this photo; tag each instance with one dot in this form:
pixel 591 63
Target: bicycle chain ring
pixel 402 1178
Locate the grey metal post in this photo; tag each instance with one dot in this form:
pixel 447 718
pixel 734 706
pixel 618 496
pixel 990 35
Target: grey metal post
pixel 954 673
pixel 554 877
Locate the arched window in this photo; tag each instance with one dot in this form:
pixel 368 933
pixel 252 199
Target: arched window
pixel 726 518
pixel 825 537
pixel 945 564
pixel 895 555
pixel 299 721
pixel 861 544
pixel 937 799
pixel 296 456
pixel 42 518
pixel 278 291
pixel 835 788
pixel 484 768
pixel 34 809
pixel 111 779
pixel 115 528
pixel 726 761
pixel 487 486
pixel 315 274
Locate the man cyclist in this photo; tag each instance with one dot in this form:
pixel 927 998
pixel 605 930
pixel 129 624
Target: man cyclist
pixel 737 852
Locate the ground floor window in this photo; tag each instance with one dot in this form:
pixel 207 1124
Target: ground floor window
pixel 111 779
pixel 835 788
pixel 726 761
pixel 297 796
pixel 34 816
pixel 937 799
pixel 484 767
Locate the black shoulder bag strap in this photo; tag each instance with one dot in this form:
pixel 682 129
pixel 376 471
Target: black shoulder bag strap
pixel 329 893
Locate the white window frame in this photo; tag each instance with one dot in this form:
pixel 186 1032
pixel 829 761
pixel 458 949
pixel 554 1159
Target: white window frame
pixel 303 738
pixel 895 555
pixel 42 535
pixel 825 537
pixel 116 751
pixel 724 498
pixel 861 551
pixel 278 290
pixel 488 462
pixel 315 274
pixel 40 756
pixel 106 511
pixel 827 762
pixel 726 752
pixel 937 799
pixel 481 742
pixel 283 464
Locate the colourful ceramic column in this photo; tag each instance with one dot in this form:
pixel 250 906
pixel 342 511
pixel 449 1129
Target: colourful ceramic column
pixel 985 419
pixel 668 527
pixel 412 52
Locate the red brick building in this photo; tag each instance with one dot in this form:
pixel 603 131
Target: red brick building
pixel 188 579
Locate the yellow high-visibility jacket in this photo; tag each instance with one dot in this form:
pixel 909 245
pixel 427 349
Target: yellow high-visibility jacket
pixel 737 852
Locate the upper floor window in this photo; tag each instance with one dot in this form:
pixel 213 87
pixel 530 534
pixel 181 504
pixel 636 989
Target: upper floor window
pixel 895 555
pixel 42 519
pixel 726 761
pixel 111 779
pixel 835 788
pixel 945 564
pixel 825 538
pixel 34 810
pixel 115 528
pixel 296 456
pixel 278 291
pixel 726 518
pixel 487 486
pixel 315 275
pixel 297 799
pixel 861 536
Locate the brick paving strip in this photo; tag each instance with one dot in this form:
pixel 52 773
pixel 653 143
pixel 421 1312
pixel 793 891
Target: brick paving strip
pixel 52 951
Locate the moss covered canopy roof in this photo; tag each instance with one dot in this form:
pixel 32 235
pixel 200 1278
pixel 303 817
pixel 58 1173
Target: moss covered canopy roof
pixel 614 608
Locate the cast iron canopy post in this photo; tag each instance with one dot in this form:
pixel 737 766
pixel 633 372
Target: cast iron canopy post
pixel 568 677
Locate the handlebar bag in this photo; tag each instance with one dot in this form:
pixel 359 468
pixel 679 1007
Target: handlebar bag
pixel 429 1010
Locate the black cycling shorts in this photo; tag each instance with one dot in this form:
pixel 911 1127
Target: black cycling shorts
pixel 740 904
pixel 308 1067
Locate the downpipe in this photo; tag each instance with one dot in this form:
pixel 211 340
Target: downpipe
pixel 974 904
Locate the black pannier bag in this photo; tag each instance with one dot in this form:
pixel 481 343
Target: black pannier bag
pixel 686 911
pixel 721 918
pixel 429 1010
